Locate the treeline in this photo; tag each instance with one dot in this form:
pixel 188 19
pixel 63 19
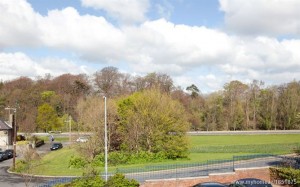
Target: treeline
pixel 238 106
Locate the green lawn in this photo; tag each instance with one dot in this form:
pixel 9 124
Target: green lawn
pixel 203 148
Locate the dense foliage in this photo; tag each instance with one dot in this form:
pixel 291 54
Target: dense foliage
pixel 238 106
pixel 289 176
pixel 153 122
pixel 118 180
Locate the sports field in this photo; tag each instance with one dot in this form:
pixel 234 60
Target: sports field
pixel 202 148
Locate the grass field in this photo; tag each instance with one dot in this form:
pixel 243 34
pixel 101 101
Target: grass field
pixel 202 148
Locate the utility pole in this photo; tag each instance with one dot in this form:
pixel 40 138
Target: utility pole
pixel 105 137
pixel 15 133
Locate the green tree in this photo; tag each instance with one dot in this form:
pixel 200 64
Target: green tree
pixel 194 90
pixel 154 122
pixel 289 101
pixel 233 101
pixel 47 118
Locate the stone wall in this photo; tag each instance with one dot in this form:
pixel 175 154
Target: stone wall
pixel 226 178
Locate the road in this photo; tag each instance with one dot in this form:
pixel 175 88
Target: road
pixel 252 132
pixel 13 180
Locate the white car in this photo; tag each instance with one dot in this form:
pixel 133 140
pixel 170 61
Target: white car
pixel 82 139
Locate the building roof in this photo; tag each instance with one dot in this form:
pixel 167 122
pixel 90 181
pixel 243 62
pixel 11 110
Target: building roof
pixel 4 125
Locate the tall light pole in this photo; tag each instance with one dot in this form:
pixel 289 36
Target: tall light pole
pixel 105 137
pixel 15 133
pixel 70 128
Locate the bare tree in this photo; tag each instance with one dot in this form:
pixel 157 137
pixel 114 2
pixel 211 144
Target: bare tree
pixel 107 80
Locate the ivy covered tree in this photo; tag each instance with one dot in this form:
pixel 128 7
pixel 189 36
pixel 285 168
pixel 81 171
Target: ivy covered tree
pixel 152 121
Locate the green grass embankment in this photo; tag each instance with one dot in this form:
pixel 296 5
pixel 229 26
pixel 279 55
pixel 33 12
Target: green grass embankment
pixel 203 148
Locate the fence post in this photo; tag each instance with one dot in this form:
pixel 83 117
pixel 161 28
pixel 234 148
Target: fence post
pixel 233 166
pixel 207 168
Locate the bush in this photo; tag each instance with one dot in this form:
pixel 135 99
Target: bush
pixel 289 175
pixel 118 180
pixel 118 158
pixel 21 137
pixel 21 165
pixel 77 162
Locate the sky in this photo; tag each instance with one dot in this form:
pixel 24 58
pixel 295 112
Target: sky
pixel 203 42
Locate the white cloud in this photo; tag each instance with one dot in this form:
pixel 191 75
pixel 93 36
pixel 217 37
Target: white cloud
pixel 18 64
pixel 262 17
pixel 89 36
pixel 165 43
pixel 126 11
pixel 157 45
pixel 18 24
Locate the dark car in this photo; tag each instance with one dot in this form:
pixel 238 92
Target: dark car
pixel 3 156
pixel 210 184
pixel 56 146
pixel 250 182
pixel 9 153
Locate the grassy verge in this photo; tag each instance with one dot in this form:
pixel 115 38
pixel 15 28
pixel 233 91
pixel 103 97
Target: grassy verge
pixel 203 148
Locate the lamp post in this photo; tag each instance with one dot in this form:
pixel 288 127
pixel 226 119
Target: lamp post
pixel 105 137
pixel 69 121
pixel 15 133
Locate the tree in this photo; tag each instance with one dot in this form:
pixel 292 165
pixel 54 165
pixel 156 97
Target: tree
pixel 154 122
pixel 289 100
pixel 194 90
pixel 107 80
pixel 214 110
pixel 91 117
pixel 47 118
pixel 234 94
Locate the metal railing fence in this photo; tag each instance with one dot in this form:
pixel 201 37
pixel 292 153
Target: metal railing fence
pixel 168 171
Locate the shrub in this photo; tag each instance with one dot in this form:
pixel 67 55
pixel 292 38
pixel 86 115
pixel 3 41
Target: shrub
pixel 119 180
pixel 117 158
pixel 77 162
pixel 21 137
pixel 289 175
pixel 21 165
pixel 98 160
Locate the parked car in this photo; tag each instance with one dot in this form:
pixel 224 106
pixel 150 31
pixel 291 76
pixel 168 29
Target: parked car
pixel 250 182
pixel 209 184
pixel 3 156
pixel 56 146
pixel 82 139
pixel 9 153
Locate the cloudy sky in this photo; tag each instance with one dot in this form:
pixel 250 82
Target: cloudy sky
pixel 202 42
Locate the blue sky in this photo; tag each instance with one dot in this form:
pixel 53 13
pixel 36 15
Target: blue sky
pixel 202 42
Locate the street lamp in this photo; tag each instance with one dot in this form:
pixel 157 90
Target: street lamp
pixel 69 121
pixel 105 137
pixel 15 133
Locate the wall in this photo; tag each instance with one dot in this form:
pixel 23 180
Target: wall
pixel 3 138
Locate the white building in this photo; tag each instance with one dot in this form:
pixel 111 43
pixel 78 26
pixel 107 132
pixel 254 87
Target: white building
pixel 6 133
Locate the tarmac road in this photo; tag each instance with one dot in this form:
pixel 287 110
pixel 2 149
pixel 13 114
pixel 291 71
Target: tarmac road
pixel 13 180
